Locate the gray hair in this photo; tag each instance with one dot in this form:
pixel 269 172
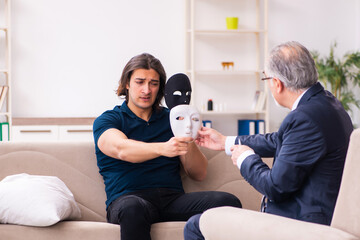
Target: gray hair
pixel 292 64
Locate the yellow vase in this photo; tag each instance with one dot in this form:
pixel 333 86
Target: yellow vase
pixel 232 22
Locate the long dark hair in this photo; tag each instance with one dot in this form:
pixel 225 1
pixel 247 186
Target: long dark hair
pixel 142 61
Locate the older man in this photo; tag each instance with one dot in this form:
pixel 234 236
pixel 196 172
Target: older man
pixel 309 149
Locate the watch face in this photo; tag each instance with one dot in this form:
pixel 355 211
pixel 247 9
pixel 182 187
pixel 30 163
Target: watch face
pixel 177 90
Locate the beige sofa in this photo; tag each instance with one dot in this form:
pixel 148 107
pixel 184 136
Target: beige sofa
pixel 251 225
pixel 75 165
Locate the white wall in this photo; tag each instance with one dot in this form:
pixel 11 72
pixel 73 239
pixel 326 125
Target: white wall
pixel 68 55
pixel 316 24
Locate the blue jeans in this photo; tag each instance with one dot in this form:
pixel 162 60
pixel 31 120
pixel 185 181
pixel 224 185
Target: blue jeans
pixel 192 229
pixel 136 211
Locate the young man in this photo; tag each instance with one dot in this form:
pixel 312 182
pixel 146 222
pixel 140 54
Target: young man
pixel 140 159
pixel 309 149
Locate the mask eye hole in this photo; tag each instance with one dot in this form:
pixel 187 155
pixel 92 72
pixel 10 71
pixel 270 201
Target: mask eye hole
pixel 188 93
pixel 195 119
pixel 180 118
pixel 177 93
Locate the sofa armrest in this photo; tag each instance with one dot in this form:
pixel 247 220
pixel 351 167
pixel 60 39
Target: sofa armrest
pixel 225 223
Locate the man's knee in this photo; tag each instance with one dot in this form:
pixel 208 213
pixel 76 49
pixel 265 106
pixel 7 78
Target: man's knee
pixel 126 208
pixel 133 206
pixel 225 199
pixel 192 228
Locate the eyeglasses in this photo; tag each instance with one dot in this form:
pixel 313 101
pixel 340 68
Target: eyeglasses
pixel 266 78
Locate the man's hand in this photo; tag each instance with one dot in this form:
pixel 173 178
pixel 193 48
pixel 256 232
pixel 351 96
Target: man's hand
pixel 237 150
pixel 211 139
pixel 176 146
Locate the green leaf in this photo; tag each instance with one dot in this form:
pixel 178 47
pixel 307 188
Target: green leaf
pixel 337 74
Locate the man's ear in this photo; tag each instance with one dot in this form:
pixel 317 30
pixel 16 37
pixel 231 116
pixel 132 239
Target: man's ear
pixel 279 85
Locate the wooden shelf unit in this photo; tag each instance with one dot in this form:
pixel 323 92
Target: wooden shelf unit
pixel 208 43
pixel 5 70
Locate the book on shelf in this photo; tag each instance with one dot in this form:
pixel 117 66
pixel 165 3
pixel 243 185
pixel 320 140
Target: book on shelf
pixel 259 101
pixel 259 126
pixel 4 131
pixel 207 123
pixel 256 99
pixel 251 126
pixel 3 93
pixel 246 127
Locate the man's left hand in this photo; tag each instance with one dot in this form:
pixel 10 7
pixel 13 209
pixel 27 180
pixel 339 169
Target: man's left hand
pixel 237 150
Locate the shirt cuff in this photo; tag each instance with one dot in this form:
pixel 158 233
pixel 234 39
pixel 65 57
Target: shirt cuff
pixel 242 157
pixel 229 142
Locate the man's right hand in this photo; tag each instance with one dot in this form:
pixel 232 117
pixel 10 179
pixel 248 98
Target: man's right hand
pixel 211 139
pixel 176 146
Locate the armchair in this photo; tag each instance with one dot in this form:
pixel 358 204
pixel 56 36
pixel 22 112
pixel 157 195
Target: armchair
pixel 230 223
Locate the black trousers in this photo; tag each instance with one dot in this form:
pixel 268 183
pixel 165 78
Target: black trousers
pixel 136 211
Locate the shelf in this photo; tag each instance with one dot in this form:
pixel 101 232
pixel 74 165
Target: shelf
pixel 249 112
pixel 5 28
pixel 226 72
pixel 226 64
pixel 54 121
pixel 226 32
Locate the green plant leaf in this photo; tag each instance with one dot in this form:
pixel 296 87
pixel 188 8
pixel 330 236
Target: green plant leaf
pixel 337 74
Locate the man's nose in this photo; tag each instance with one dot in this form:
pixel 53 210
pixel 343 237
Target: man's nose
pixel 146 88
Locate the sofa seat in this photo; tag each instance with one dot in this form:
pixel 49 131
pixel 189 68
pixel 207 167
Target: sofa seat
pixel 75 164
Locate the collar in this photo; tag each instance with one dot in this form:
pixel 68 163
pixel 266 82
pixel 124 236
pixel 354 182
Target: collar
pixel 154 116
pixel 313 90
pixel 296 103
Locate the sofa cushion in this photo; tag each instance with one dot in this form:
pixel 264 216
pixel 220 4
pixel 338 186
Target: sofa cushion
pixel 224 176
pixel 65 230
pixel 35 200
pixel 70 230
pixel 73 162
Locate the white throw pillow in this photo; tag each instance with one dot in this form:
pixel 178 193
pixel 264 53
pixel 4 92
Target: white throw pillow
pixel 36 200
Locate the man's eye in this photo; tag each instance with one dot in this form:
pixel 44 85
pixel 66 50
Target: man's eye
pixel 155 83
pixel 179 118
pixel 177 93
pixel 195 119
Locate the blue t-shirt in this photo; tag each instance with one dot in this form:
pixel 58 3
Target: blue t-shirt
pixel 122 177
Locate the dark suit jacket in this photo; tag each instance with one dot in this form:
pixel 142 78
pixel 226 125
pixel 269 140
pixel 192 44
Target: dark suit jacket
pixel 309 151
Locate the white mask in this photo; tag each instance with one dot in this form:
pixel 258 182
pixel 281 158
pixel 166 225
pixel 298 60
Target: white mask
pixel 185 121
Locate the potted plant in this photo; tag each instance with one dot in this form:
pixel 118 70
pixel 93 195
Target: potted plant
pixel 340 76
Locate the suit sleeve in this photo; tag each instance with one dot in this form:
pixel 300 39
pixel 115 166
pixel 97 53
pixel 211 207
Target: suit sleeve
pixel 263 145
pixel 301 145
